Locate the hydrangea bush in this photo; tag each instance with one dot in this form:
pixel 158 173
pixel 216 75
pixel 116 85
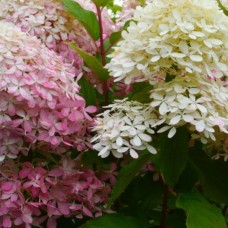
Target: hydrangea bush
pixel 113 115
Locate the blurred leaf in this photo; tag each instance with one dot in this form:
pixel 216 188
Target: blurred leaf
pixel 116 36
pixel 87 91
pixel 172 198
pixel 213 175
pixel 176 219
pixel 141 92
pixel 142 97
pixel 155 218
pixel 199 212
pixel 187 180
pixel 141 86
pixel 102 3
pixel 87 18
pixel 114 8
pixel 68 222
pixel 92 62
pixel 48 156
pixel 226 218
pixel 142 2
pixel 113 221
pixel 151 197
pixel 225 11
pixel 127 174
pixel 172 158
pixel 91 160
pixel 141 197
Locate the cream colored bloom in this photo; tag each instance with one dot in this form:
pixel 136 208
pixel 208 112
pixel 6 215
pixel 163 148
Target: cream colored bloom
pixel 172 37
pixel 124 127
pixel 200 104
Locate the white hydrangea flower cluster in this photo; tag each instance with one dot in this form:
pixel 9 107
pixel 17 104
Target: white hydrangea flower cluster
pixel 172 37
pixel 125 127
pixel 182 50
pixel 200 104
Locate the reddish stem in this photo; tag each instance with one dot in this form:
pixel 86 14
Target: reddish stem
pixel 164 207
pixel 102 52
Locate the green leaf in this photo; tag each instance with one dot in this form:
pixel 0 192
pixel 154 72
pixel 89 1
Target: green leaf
pixel 92 62
pixel 151 197
pixel 102 3
pixel 142 2
pixel 187 180
pixel 173 155
pixel 142 97
pixel 200 213
pixel 92 161
pixel 213 176
pixel 87 18
pixel 141 86
pixel 116 36
pixel 113 221
pixel 87 91
pixel 48 156
pixel 225 11
pixel 176 219
pixel 114 8
pixel 140 92
pixel 127 174
pixel 69 222
pixel 141 197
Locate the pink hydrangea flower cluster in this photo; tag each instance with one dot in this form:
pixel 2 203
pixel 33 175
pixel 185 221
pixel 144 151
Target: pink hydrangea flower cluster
pixel 48 21
pixel 38 96
pixel 32 195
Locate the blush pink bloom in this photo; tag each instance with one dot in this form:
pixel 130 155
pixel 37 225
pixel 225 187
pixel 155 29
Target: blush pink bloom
pixel 56 28
pixel 39 96
pixel 48 21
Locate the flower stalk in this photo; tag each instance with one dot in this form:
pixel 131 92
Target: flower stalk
pixel 164 206
pixel 102 53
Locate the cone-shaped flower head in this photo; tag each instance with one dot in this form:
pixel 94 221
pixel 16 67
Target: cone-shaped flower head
pixel 172 37
pixel 51 23
pixel 39 96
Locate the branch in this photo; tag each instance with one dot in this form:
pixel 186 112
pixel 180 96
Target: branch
pixel 164 206
pixel 102 51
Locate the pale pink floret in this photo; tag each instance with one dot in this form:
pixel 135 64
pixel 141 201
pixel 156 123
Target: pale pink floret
pixel 39 96
pixel 48 21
